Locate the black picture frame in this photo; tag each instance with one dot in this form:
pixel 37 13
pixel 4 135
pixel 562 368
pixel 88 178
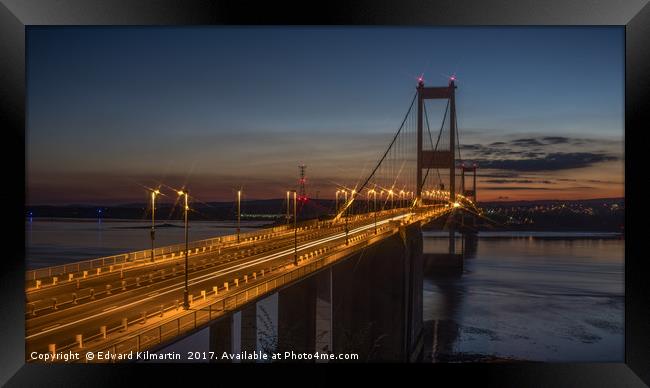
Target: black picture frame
pixel 15 15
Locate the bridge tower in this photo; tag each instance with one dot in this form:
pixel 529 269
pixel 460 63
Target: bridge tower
pixel 435 158
pixel 438 158
pixel 468 193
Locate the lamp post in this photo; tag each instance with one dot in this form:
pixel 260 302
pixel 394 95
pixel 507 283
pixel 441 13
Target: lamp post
pixel 337 200
pixel 368 201
pixel 186 300
pixel 238 213
pixel 288 206
pixel 153 220
pixel 374 206
pixel 390 194
pixel 295 229
pixel 347 212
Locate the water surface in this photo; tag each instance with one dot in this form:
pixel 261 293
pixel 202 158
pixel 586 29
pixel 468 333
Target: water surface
pixel 530 296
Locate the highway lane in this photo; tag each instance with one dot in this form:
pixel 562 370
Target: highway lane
pixel 46 283
pixel 40 301
pixel 133 303
pixel 205 261
pixel 117 294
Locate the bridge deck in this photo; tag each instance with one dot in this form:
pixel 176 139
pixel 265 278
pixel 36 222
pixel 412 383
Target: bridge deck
pixel 138 306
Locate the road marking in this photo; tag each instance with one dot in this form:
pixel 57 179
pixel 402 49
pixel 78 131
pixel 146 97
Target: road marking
pixel 51 327
pixel 174 288
pixel 109 308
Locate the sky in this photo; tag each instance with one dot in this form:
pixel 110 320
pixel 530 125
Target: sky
pixel 112 111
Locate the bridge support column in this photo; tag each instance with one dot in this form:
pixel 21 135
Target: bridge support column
pixel 324 311
pixel 267 324
pixel 221 337
pixel 452 240
pixel 249 328
pixel 297 317
pixel 235 334
pixel 377 300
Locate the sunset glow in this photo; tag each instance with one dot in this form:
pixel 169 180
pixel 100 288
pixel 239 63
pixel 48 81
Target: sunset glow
pixel 113 111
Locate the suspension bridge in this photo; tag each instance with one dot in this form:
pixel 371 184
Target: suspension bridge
pixel 103 309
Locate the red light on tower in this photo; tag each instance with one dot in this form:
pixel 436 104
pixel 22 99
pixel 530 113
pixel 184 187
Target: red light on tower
pixel 452 79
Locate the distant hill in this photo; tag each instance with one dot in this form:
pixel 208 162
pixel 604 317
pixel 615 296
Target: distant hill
pixel 552 201
pixel 251 210
pixel 600 213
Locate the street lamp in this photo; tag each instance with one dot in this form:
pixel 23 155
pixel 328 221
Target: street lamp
pixel 288 206
pixel 374 206
pixel 337 200
pixel 347 213
pixel 295 229
pixel 347 230
pixel 368 201
pixel 186 300
pixel 238 213
pixel 153 220
pixel 390 194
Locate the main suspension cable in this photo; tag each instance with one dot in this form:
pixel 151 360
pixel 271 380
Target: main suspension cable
pixel 399 130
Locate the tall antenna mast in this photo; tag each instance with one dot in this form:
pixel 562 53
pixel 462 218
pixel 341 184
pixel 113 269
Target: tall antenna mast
pixel 302 194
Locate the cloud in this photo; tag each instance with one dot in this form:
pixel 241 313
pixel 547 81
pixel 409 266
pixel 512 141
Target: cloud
pixel 504 188
pixel 590 181
pixel 499 174
pixel 556 139
pixel 530 142
pixel 536 147
pixel 518 181
pixel 603 181
pixel 550 162
pixel 515 188
pixel 541 153
pixel 471 147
